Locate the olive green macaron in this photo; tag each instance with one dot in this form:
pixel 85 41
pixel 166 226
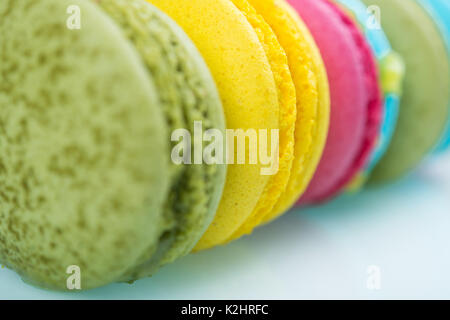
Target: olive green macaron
pixel 424 105
pixel 86 116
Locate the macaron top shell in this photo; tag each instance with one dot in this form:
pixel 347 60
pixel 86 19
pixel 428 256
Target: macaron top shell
pixel 424 106
pixel 239 64
pixel 64 111
pixel 355 97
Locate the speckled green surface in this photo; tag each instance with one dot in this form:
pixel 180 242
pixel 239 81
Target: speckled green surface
pixel 82 157
pixel 85 120
pixel 424 105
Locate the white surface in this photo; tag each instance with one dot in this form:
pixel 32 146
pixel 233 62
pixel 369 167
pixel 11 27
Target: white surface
pixel 323 252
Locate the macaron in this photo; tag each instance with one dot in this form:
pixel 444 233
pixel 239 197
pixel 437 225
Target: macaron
pixel 356 103
pixel 311 101
pixel 287 118
pixel 424 105
pixel 86 116
pixel 252 74
pixel 313 97
pixel 440 12
pixel 391 70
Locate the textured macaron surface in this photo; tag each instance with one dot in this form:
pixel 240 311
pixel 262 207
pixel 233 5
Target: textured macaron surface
pixel 424 106
pixel 83 146
pixel 354 97
pixel 187 94
pixel 287 118
pixel 313 99
pixel 239 64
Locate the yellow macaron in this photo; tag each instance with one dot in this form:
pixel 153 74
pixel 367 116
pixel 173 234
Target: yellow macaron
pixel 240 65
pixel 288 115
pixel 313 97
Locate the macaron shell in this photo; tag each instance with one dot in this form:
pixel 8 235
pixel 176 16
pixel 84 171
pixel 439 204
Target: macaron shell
pixel 64 111
pixel 288 115
pixel 424 105
pixel 347 73
pixel 313 102
pixel 248 91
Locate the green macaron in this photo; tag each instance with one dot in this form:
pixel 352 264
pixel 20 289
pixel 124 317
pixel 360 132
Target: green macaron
pixel 424 106
pixel 86 117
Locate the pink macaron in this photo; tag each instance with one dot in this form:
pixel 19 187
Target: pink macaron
pixel 356 99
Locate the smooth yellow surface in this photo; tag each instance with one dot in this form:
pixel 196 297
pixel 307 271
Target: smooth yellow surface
pixel 313 97
pixel 288 115
pixel 238 62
